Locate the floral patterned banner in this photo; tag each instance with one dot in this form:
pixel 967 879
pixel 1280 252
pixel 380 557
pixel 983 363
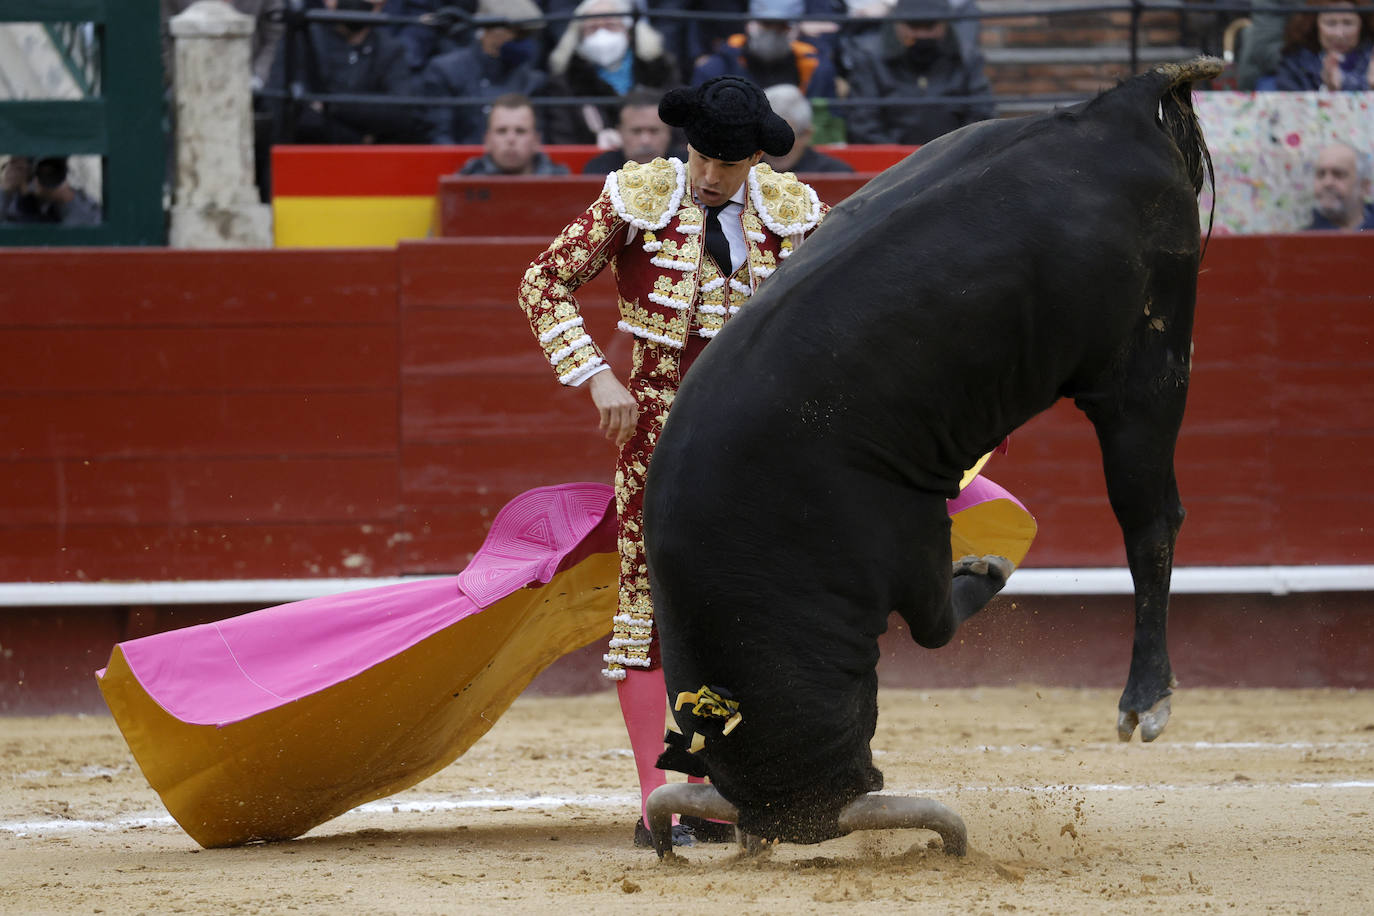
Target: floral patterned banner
pixel 1263 145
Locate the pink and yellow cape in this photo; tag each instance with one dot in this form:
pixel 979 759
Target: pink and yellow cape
pixel 263 726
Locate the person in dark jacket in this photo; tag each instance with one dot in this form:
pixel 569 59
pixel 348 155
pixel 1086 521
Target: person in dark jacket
pixel 512 143
pixel 341 58
pixel 1330 48
pixel 917 57
pixel 643 135
pixel 802 159
pixel 769 52
pixel 500 61
pixel 596 57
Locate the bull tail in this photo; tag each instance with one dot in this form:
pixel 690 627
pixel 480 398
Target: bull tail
pixel 1174 90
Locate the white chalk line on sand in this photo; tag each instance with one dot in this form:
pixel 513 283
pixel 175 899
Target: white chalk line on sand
pixel 628 802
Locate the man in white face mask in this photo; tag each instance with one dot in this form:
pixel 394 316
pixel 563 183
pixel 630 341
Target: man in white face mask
pixel 770 52
pixel 603 53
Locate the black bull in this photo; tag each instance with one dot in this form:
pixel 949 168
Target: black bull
pixel 797 494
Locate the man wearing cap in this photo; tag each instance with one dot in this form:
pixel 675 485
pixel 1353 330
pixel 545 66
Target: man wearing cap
pixel 920 55
pixel 500 61
pixel 688 244
pixel 771 51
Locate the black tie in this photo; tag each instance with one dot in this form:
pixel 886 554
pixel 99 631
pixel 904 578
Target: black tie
pixel 716 242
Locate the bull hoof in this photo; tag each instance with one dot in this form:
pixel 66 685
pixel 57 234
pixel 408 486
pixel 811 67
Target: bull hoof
pixel 992 566
pixel 1151 721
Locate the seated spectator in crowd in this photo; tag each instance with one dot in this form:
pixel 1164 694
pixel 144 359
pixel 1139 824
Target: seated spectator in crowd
pixel 1341 184
pixel 693 41
pixel 794 108
pixel 346 58
pixel 512 142
pixel 500 61
pixel 919 56
pixel 38 192
pixel 595 58
pixel 1257 58
pixel 423 42
pixel 1328 49
pixel 769 52
pixel 643 137
pixel 15 174
pixel 968 31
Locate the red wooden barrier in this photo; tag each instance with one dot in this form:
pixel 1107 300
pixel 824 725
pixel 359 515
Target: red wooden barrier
pixel 179 415
pixel 540 206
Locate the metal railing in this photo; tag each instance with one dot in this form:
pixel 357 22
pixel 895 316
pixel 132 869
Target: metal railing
pixel 453 20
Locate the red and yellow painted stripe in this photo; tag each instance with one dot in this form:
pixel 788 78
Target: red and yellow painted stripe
pixel 375 196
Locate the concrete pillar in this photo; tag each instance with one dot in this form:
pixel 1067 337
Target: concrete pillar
pixel 216 204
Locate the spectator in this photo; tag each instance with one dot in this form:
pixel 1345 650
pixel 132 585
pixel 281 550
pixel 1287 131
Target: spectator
pixel 595 58
pixel 423 42
pixel 693 41
pixel 15 175
pixel 344 58
pixel 1257 60
pixel 919 56
pixel 968 31
pixel 267 33
pixel 38 192
pixel 643 135
pixel 512 142
pixel 769 52
pixel 1342 188
pixel 1328 49
pixel 500 61
pixel 793 107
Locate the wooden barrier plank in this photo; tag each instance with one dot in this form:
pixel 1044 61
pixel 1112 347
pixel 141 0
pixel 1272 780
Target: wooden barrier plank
pixel 162 552
pixel 476 271
pixel 1238 397
pixel 197 491
pixel 474 340
pixel 478 470
pixel 442 539
pixel 86 425
pixel 319 357
pixel 110 287
pixel 1321 398
pixel 540 206
pixel 452 408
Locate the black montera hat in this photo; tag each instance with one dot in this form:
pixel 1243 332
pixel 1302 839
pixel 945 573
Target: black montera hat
pixel 727 118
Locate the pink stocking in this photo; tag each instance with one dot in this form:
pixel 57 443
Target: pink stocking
pixel 643 703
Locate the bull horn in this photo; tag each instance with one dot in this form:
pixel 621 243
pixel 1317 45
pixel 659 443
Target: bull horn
pixel 894 812
pixel 698 799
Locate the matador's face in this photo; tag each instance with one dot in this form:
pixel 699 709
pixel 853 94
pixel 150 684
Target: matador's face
pixel 716 180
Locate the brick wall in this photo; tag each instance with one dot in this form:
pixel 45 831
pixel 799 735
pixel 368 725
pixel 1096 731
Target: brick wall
pixel 1078 52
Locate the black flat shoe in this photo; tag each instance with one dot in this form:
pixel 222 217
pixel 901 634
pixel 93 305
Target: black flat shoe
pixel 645 840
pixel 705 831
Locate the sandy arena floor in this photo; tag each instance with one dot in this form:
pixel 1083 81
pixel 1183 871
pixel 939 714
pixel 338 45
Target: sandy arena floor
pixel 1252 801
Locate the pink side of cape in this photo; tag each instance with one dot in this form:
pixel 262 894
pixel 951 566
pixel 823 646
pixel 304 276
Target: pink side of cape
pixel 979 490
pixel 231 670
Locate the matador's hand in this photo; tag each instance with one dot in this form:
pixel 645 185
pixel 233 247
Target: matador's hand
pixel 617 407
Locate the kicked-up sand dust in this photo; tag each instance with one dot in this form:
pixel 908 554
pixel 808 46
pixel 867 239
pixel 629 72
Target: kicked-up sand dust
pixel 1252 801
